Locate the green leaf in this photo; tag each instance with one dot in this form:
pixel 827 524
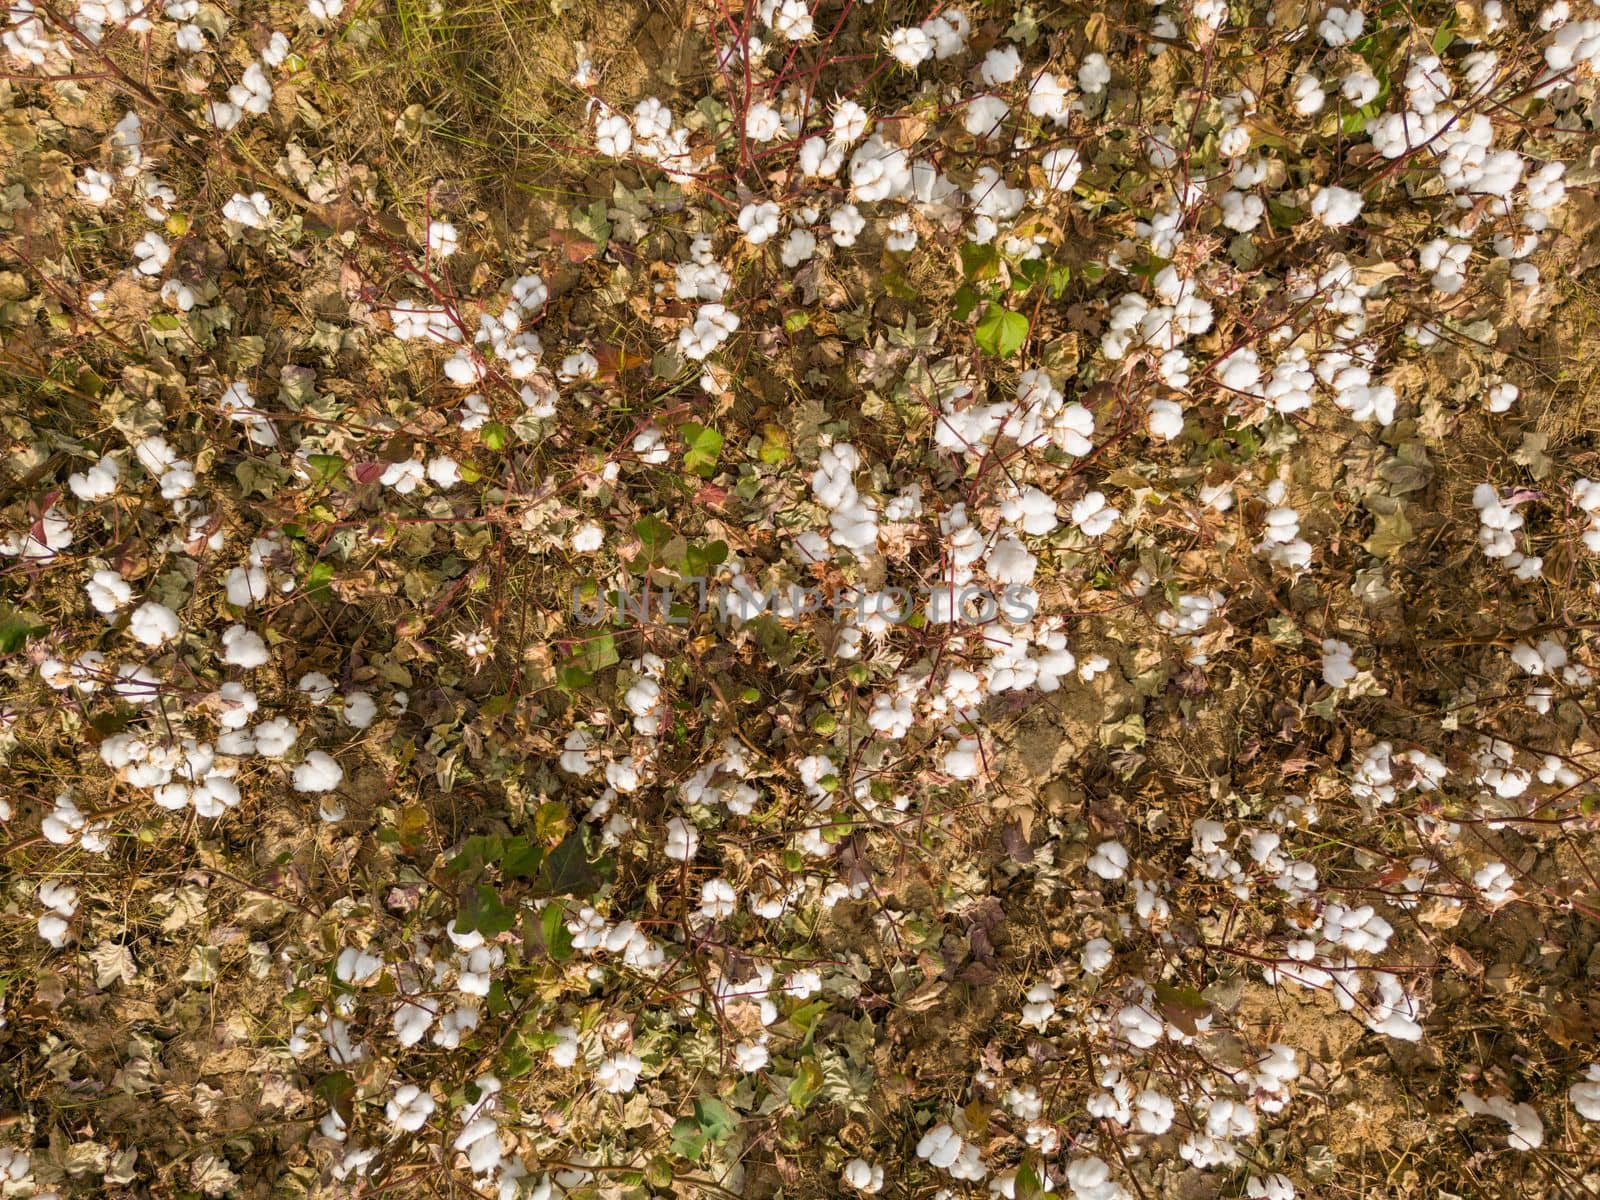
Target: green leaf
pixel 318 581
pixel 598 653
pixel 966 300
pixel 494 435
pixel 687 1140
pixel 704 446
pixel 716 1119
pixel 1001 332
pixel 567 870
pixel 557 941
pixel 1389 534
pixel 521 859
pixel 481 910
pixel 572 678
pixel 325 468
pixel 1182 1006
pixel 807 1083
pixel 16 627
pixel 653 532
pixel 591 222
pixel 979 262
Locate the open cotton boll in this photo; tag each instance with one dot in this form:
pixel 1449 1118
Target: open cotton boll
pixel 108 591
pixel 409 1108
pixel 1525 1127
pixel 318 773
pixel 618 1074
pixel 1336 206
pixel 1164 419
pixel 1109 861
pixel 1341 26
pixel 1585 1094
pixel 252 211
pixel 910 47
pixel 357 967
pixel 863 1176
pixel 152 624
pixel 1269 1187
pixel 98 482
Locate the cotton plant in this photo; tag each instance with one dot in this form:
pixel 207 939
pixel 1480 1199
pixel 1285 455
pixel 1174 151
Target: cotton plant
pixel 1014 496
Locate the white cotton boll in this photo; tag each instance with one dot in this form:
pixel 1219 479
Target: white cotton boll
pixel 1234 142
pixel 1160 148
pixel 1109 861
pixel 652 120
pixel 798 248
pixel 683 840
pixel 1096 956
pixel 820 158
pixel 54 929
pixel 242 648
pixel 619 1073
pixel 1270 1187
pixel 1000 66
pixel 1048 99
pixel 1061 168
pixel 404 477
pixel 237 706
pixel 1496 883
pixel 1009 561
pixel 325 10
pixel 316 687
pixel 762 123
pixel 318 773
pixel 863 1176
pixel 1526 1128
pixel 1338 667
pixel 902 235
pixel 152 252
pixel 965 760
pixel 1585 1094
pixel 849 122
pixel 613 136
pixel 846 224
pixel 1153 1112
pixel 588 538
pixel 1033 509
pixel 153 624
pixel 1502 396
pixel 910 47
pixel 940 1146
pixel 1360 88
pixel 444 471
pixel 409 1108
pixel 879 170
pixel 1341 26
pixel 1336 207
pixel 1242 211
pixel 985 116
pixel 1039 1005
pixel 1093 515
pixel 95 187
pixel 1094 73
pixel 108 591
pixel 792 20
pixel 718 900
pixel 1308 95
pixel 98 482
pixel 252 211
pixel 357 967
pixel 1090 1179
pixel 1164 419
